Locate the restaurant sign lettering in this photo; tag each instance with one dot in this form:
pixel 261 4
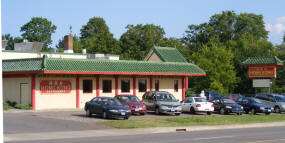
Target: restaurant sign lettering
pixel 55 86
pixel 262 72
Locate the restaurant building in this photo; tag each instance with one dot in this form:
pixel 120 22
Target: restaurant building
pixel 67 80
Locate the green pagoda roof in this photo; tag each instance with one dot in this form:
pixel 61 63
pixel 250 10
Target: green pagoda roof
pixel 99 66
pixel 263 60
pixel 168 54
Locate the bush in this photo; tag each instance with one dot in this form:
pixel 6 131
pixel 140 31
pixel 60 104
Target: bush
pixel 13 105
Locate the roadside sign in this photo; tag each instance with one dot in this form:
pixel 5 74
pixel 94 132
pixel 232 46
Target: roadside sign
pixel 261 82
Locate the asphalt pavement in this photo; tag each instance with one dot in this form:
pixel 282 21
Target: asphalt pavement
pixel 247 135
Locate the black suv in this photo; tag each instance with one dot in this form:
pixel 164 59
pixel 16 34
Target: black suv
pixel 161 102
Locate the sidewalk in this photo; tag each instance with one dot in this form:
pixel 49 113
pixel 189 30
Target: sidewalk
pixel 119 132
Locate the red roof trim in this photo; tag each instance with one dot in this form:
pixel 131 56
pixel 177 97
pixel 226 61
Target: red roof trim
pixel 120 73
pixel 105 73
pixel 264 65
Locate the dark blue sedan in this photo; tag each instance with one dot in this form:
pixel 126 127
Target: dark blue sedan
pixel 225 106
pixel 107 107
pixel 254 106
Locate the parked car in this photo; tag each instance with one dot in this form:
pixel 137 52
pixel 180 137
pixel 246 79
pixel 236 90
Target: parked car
pixel 161 102
pixel 254 105
pixel 275 100
pixel 135 105
pixel 107 107
pixel 212 95
pixel 235 97
pixel 225 106
pixel 197 104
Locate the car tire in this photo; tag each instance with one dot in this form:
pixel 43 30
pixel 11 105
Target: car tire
pixel 239 113
pixel 222 111
pixel 142 113
pixel 246 111
pixel 104 115
pixel 126 118
pixel 157 111
pixel 209 113
pixel 192 110
pixel 277 109
pixel 88 113
pixel 267 113
pixel 177 114
pixel 253 111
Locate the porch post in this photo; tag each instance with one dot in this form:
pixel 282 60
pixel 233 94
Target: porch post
pixel 116 86
pixel 183 88
pixel 33 93
pixel 97 87
pixel 77 91
pixel 186 82
pixel 134 86
pixel 150 83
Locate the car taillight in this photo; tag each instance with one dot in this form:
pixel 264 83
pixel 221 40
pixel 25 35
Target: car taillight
pixel 198 105
pixel 212 105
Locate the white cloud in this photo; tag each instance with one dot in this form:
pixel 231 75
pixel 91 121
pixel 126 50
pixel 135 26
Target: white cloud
pixel 276 28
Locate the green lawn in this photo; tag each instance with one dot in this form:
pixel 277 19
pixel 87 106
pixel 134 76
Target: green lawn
pixel 192 121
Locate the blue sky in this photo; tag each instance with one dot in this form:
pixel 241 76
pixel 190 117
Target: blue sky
pixel 173 15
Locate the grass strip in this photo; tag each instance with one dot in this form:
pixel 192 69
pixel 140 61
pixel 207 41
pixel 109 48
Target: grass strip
pixel 192 121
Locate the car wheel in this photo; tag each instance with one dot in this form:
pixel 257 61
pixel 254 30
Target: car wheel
pixel 177 114
pixel 126 118
pixel 239 113
pixel 142 113
pixel 222 111
pixel 88 113
pixel 209 113
pixel 104 115
pixel 253 111
pixel 246 111
pixel 277 110
pixel 157 111
pixel 267 113
pixel 192 110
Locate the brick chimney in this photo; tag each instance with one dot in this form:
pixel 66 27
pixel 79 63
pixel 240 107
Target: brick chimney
pixel 68 44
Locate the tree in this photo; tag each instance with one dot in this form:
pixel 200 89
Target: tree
pixel 77 46
pixel 96 37
pixel 39 29
pixel 139 39
pixel 244 34
pixel 11 41
pixel 217 62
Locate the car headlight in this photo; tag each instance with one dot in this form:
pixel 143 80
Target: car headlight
pixel 241 107
pixel 262 108
pixel 229 107
pixel 128 110
pixel 163 107
pixel 115 111
pixel 272 108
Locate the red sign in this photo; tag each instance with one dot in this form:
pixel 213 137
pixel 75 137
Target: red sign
pixel 262 72
pixel 55 86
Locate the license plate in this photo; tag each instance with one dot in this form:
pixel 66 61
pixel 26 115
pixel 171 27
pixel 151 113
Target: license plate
pixel 123 113
pixel 137 109
pixel 172 110
pixel 269 110
pixel 207 109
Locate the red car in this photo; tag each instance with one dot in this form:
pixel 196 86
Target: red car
pixel 133 102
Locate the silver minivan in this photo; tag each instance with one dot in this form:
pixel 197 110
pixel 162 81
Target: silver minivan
pixel 275 100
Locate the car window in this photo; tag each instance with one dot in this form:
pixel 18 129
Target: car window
pixel 271 98
pixel 111 102
pixel 200 100
pixel 188 100
pixel 280 98
pixel 165 97
pixel 130 99
pixel 228 101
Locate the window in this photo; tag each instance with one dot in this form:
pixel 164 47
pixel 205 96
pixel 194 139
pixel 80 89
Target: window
pixel 176 85
pixel 142 85
pixel 125 85
pixel 156 85
pixel 107 86
pixel 87 86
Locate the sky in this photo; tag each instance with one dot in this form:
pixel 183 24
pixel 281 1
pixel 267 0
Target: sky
pixel 172 15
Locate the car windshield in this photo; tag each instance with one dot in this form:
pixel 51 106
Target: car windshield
pixel 254 100
pixel 111 102
pixel 130 99
pixel 228 101
pixel 280 98
pixel 165 97
pixel 200 100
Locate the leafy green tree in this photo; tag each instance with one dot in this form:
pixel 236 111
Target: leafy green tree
pixel 279 82
pixel 39 29
pixel 11 41
pixel 138 40
pixel 96 37
pixel 77 46
pixel 217 61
